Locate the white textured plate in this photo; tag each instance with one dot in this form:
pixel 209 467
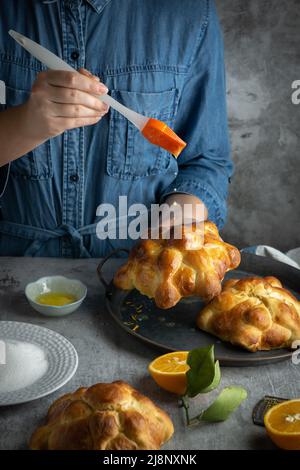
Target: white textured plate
pixel 60 353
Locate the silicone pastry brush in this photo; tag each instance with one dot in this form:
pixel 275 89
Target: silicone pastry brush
pixel 155 131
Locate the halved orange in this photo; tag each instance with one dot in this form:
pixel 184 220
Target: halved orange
pixel 282 423
pixel 169 371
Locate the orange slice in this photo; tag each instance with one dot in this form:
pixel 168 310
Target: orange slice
pixel 158 133
pixel 282 423
pixel 169 371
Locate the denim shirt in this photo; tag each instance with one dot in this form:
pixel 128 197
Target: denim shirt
pixel 163 59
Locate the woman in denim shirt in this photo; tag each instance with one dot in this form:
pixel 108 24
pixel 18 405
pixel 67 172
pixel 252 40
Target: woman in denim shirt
pixel 63 153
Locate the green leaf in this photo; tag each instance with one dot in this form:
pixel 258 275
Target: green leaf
pixel 202 370
pixel 216 380
pixel 229 399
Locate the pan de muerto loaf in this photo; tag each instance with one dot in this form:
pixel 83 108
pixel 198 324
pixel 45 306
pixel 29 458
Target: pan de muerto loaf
pixel 255 313
pixel 170 269
pixel 106 416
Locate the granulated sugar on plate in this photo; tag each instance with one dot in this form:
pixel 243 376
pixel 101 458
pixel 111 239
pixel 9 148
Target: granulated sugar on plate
pixel 25 363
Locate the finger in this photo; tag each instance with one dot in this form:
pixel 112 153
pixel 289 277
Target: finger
pixel 74 111
pixel 87 73
pixel 76 81
pixel 72 123
pixel 76 97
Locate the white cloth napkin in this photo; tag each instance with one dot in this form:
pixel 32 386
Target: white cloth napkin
pixel 292 257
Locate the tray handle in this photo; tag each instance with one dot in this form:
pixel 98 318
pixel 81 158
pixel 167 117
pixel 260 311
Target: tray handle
pixel 102 263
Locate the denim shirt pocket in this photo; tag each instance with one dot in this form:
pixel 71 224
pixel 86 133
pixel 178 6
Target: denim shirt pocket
pixel 36 164
pixel 130 156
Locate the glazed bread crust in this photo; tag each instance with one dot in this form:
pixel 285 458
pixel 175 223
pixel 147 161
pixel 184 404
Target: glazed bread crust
pixel 170 269
pixel 105 416
pixel 254 313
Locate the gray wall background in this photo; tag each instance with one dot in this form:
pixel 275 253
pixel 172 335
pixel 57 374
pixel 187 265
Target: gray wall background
pixel 262 49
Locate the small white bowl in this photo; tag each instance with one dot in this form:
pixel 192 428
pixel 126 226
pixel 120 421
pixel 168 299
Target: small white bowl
pixel 55 284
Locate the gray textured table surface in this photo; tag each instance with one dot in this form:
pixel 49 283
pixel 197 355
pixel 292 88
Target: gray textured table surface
pixel 107 353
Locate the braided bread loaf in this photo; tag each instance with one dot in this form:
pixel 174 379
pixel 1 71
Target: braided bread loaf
pixel 169 269
pixel 255 313
pixel 106 416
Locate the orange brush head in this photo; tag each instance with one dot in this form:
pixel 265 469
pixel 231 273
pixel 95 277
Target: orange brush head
pixel 158 133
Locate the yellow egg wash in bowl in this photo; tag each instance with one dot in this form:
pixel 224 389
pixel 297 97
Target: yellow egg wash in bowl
pixel 55 295
pixel 56 299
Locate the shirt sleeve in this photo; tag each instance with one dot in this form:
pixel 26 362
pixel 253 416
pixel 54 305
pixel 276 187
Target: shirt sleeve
pixel 205 166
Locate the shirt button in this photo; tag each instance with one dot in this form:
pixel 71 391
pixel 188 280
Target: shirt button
pixel 74 178
pixel 75 55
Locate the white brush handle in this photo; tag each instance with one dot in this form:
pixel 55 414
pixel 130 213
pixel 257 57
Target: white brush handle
pixel 137 119
pixel 52 61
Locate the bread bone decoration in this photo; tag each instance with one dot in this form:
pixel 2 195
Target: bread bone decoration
pixel 255 313
pixel 106 416
pixel 169 269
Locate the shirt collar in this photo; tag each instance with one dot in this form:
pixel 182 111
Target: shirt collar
pixel 98 5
